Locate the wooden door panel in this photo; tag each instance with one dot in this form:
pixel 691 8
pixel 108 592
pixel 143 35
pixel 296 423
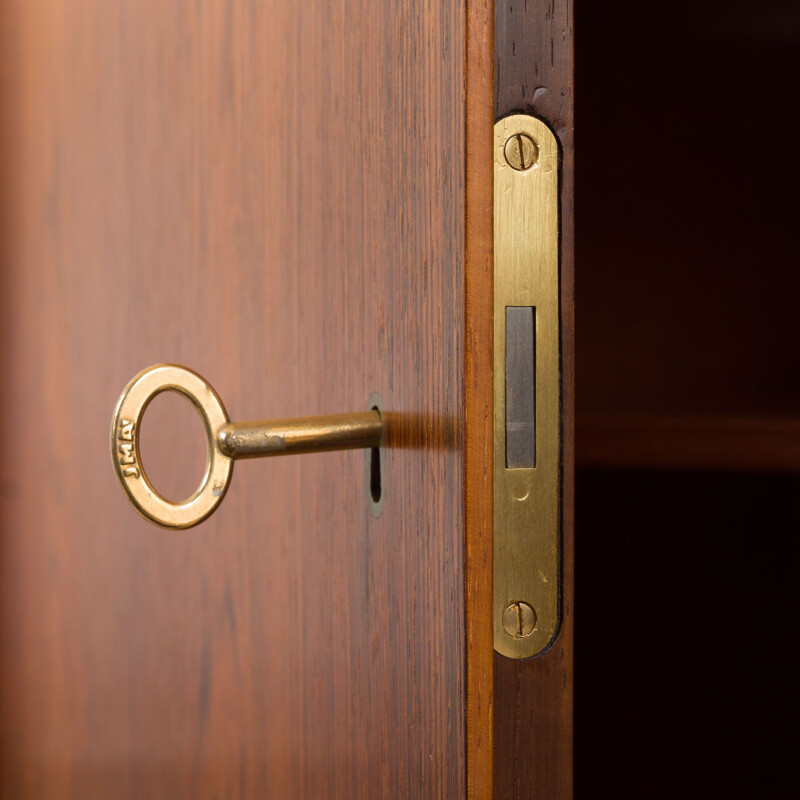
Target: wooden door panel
pixel 258 191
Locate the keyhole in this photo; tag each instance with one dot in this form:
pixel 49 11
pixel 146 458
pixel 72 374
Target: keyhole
pixel 375 474
pixel 376 467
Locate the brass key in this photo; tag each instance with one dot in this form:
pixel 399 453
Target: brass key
pixel 226 441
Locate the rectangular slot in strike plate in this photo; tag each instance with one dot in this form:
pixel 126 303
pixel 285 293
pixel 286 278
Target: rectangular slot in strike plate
pixel 520 387
pixel 527 388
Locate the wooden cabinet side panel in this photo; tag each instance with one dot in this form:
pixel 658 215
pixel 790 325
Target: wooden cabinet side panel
pixel 478 354
pixel 533 698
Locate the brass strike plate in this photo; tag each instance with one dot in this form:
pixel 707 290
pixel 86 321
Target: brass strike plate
pixel 527 387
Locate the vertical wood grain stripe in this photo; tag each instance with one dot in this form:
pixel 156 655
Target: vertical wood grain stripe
pixel 478 394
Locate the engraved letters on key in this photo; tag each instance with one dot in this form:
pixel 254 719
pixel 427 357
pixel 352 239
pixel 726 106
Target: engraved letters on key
pixel 126 449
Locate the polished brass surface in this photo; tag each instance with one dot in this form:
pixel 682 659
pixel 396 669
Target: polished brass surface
pixel 521 151
pixel 301 435
pixel 519 620
pixel 526 500
pixel 125 427
pixel 226 441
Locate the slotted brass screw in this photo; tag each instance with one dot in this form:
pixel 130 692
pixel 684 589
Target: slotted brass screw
pixel 519 620
pixel 521 151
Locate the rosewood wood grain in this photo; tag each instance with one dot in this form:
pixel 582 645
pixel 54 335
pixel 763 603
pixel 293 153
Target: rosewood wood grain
pixel 533 698
pixel 258 191
pixel 478 397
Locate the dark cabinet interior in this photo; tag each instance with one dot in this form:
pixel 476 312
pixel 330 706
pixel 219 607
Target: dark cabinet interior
pixel 687 394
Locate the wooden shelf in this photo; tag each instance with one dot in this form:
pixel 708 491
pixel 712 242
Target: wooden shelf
pixel 760 445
